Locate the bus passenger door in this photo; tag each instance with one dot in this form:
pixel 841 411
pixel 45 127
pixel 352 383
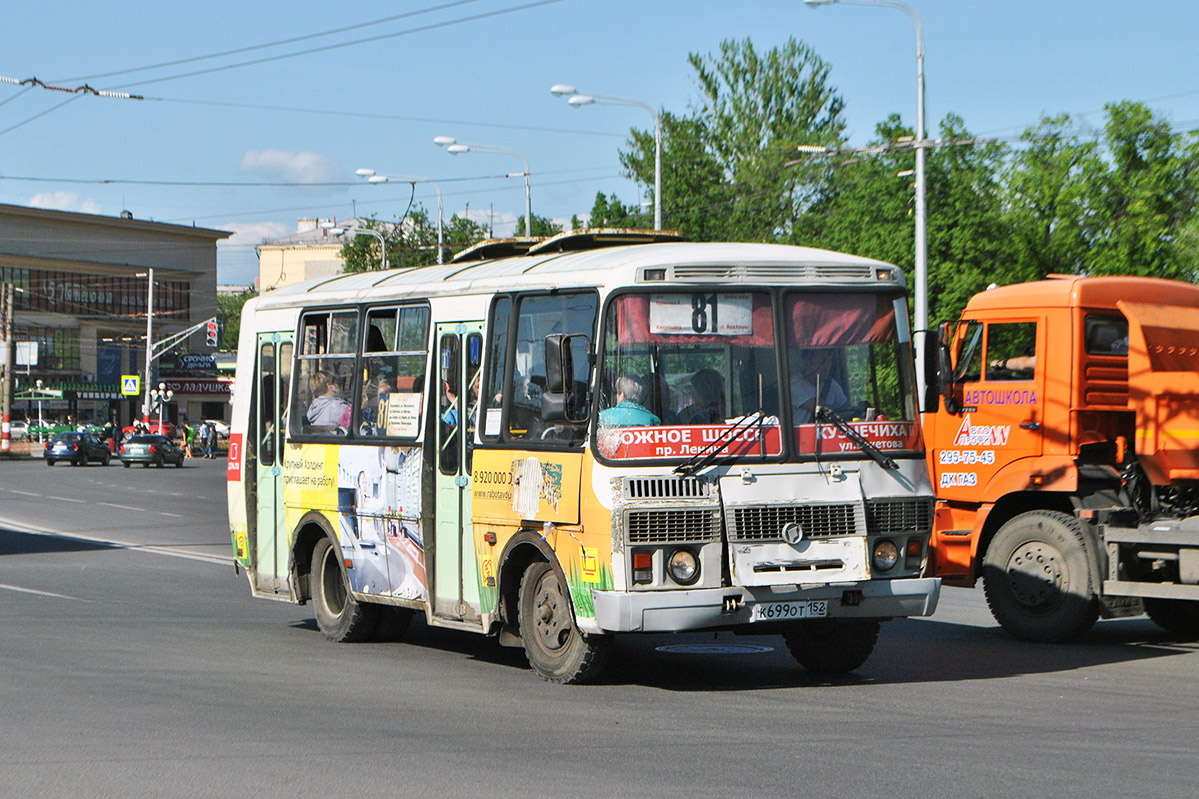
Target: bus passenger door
pixel 455 588
pixel 271 545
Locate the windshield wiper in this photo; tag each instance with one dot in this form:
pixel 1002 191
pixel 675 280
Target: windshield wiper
pixel 825 413
pixel 703 458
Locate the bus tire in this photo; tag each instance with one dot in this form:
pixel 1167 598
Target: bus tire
pixel 1037 577
pixel 556 648
pixel 832 646
pixel 339 616
pixel 1178 616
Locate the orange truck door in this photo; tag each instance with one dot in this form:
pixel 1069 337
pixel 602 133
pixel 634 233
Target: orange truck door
pixel 1001 380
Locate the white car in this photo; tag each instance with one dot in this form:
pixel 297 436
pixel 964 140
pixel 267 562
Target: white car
pixel 18 431
pixel 222 428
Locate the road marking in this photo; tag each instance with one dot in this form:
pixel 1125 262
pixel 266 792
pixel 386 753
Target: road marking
pixel 122 507
pixel 23 493
pixel 222 560
pixel 172 515
pixel 39 593
pixel 67 499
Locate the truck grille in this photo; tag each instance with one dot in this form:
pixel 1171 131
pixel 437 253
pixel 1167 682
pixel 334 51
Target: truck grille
pixel 668 526
pixel 899 516
pixel 766 523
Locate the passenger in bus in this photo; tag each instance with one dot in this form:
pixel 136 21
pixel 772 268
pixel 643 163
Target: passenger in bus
pixel 707 406
pixel 810 366
pixel 450 417
pixel 327 408
pixel 629 410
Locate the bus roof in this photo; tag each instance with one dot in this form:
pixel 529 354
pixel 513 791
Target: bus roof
pixel 680 262
pixel 1086 292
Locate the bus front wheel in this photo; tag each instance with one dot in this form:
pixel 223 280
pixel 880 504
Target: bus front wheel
pixel 832 646
pixel 338 615
pixel 556 649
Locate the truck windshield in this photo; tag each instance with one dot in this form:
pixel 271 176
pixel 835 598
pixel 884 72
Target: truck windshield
pixel 851 354
pixel 682 368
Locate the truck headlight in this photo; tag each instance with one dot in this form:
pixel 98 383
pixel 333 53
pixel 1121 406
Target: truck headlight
pixel 683 566
pixel 885 555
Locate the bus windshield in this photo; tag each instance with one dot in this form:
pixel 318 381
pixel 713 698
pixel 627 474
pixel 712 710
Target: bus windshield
pixel 680 370
pixel 850 354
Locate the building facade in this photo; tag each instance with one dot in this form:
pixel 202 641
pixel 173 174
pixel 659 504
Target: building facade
pixel 81 308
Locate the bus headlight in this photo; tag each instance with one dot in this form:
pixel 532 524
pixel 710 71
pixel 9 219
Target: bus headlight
pixel 886 554
pixel 683 566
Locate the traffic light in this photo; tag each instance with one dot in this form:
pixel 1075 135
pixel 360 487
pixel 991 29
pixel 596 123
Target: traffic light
pixel 211 336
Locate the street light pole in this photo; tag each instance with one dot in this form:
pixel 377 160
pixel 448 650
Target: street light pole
pixel 454 147
pixel 361 231
pixel 921 144
pixel 578 100
pixel 373 177
pixel 149 343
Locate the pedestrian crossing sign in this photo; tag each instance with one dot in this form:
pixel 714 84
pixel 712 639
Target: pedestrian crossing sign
pixel 131 385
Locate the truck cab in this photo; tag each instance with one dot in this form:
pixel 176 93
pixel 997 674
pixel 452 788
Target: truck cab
pixel 1059 422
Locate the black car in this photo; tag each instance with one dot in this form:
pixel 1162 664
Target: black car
pixel 147 449
pixel 79 449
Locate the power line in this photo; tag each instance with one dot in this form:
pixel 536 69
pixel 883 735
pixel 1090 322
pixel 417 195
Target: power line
pixel 279 43
pixel 340 45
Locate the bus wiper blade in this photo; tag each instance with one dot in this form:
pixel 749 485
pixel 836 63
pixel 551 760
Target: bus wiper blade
pixel 825 413
pixel 703 458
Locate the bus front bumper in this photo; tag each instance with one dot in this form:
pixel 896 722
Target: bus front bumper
pixel 706 608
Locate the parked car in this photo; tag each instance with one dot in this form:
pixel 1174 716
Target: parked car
pixel 222 428
pixel 77 448
pixel 18 431
pixel 168 429
pixel 147 449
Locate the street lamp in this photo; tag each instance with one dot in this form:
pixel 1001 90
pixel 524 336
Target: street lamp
pixel 578 100
pixel 361 231
pixel 161 396
pixel 149 275
pixel 921 277
pixel 455 147
pixel 373 177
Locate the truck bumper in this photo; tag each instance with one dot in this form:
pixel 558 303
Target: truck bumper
pixel 700 609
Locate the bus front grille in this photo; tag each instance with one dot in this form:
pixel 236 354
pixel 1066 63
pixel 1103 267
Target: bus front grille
pixel 766 523
pixel 669 526
pixel 666 488
pixel 899 516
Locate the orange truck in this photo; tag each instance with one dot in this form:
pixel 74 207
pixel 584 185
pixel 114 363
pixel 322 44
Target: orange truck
pixel 1064 449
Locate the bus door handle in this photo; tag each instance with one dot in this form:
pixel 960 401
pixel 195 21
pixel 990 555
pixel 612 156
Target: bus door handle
pixel 1031 425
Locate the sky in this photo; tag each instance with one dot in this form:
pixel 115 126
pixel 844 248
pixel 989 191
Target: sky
pixel 244 101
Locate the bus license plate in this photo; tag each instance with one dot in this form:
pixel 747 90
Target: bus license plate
pixel 783 611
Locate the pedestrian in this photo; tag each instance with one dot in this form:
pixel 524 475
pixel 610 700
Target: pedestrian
pixel 210 450
pixel 189 436
pixel 202 434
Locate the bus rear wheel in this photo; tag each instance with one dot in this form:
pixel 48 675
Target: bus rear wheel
pixel 832 646
pixel 1037 577
pixel 556 648
pixel 338 615
pixel 1179 616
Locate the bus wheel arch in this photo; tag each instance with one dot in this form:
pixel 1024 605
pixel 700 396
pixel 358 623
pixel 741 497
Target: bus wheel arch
pixel 311 529
pixel 523 549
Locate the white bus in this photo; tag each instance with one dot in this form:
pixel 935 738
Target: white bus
pixel 606 432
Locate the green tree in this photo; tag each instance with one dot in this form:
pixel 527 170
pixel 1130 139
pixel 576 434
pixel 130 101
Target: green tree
pixel 1049 184
pixel 725 165
pixel 1147 198
pixel 612 213
pixel 461 232
pixel 228 316
pixel 541 226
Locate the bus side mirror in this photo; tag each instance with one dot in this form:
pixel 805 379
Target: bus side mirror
pixel 945 366
pixel 562 401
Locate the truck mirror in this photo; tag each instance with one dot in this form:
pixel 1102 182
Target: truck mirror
pixel 945 366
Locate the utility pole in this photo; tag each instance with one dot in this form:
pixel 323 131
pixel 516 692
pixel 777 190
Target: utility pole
pixel 6 313
pixel 149 344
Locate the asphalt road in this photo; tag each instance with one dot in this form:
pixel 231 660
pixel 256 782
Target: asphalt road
pixel 134 663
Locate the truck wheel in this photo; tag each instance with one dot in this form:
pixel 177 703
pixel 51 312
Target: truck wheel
pixel 556 649
pixel 338 615
pixel 1037 577
pixel 1179 616
pixel 832 646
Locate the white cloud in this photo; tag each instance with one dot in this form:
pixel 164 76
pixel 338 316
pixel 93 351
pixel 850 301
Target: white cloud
pixel 237 262
pixel 292 167
pixel 64 201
